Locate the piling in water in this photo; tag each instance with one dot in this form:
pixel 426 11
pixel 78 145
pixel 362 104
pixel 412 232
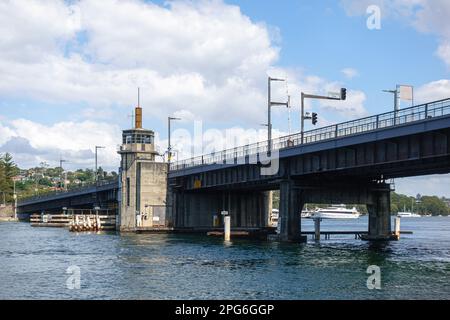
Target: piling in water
pixel 317 229
pixel 227 227
pixel 397 228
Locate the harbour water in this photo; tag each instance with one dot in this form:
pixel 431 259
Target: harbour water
pixel 34 261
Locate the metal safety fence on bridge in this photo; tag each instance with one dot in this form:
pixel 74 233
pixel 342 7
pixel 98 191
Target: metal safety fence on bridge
pixel 385 120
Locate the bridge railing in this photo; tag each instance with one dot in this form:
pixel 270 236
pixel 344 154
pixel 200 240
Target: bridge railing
pixel 389 119
pixel 68 191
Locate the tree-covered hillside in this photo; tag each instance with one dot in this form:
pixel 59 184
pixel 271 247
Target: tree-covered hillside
pixel 43 179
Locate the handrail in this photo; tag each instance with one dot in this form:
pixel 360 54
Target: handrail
pixel 69 191
pixel 348 128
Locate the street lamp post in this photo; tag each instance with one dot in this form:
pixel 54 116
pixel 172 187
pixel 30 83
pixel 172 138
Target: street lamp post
pixel 15 199
pixel 269 113
pixel 96 162
pixel 395 93
pixel 61 161
pixel 396 107
pixel 169 147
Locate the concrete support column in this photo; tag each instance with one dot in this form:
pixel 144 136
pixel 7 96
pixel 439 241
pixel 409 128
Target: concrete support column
pixel 197 209
pixel 267 208
pixel 180 209
pixel 291 205
pixel 169 216
pixel 380 215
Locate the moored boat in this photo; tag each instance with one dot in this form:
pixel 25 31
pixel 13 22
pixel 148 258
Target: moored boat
pixel 336 212
pixel 408 215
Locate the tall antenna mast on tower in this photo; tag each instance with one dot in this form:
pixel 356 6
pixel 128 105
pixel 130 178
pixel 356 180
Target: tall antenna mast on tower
pixel 138 112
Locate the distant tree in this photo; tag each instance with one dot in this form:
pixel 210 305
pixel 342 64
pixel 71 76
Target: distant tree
pixel 433 206
pixel 10 167
pixel 45 182
pixel 8 170
pixel 86 175
pixel 394 208
pixel 2 175
pixel 276 199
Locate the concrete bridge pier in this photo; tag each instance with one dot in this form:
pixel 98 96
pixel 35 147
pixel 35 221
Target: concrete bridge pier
pixel 291 205
pixel 294 194
pixel 196 210
pixel 380 215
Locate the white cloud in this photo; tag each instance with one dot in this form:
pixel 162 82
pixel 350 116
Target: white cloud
pixel 35 142
pixel 193 59
pixel 444 52
pixel 32 29
pixel 197 57
pixel 200 56
pixel 189 35
pixel 433 91
pixel 5 134
pixel 350 73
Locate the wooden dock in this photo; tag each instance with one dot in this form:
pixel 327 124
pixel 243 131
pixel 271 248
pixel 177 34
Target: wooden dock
pixel 81 223
pixel 232 233
pixel 107 222
pixel 154 230
pixel 50 220
pixel 248 233
pixel 271 235
pixel 356 234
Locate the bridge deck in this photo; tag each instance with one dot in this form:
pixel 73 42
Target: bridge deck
pixel 396 119
pixel 70 193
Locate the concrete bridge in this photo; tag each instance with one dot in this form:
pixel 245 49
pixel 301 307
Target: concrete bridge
pixel 349 162
pixel 345 163
pixel 103 195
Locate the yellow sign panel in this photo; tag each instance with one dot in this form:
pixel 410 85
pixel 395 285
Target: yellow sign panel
pixel 197 184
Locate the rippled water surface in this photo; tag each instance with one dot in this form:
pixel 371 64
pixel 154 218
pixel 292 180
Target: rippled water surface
pixel 33 264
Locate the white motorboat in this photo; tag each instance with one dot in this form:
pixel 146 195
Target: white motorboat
pixel 336 212
pixel 307 214
pixel 408 215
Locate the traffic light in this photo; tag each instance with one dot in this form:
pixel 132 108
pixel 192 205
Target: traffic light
pixel 343 93
pixel 314 118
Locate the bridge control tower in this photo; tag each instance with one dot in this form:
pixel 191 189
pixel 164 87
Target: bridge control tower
pixel 142 191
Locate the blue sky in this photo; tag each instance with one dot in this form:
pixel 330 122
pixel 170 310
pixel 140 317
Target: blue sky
pixel 77 71
pixel 319 37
